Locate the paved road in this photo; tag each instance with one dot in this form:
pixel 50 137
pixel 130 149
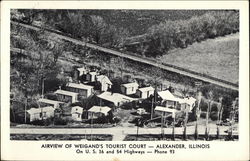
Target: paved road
pixel 134 58
pixel 119 133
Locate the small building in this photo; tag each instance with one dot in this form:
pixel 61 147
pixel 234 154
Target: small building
pixel 116 99
pixel 80 74
pixel 91 76
pixel 187 103
pixel 83 90
pixel 104 81
pixel 82 71
pixel 144 92
pixel 48 102
pixel 76 113
pixel 98 111
pixel 129 88
pixel 66 96
pixel 168 99
pixel 40 113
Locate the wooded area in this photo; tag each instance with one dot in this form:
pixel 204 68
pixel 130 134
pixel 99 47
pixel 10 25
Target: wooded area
pixel 167 31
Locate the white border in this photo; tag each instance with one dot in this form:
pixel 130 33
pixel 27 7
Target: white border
pixel 27 150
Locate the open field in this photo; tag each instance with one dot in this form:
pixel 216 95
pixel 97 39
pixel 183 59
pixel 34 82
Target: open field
pixel 215 57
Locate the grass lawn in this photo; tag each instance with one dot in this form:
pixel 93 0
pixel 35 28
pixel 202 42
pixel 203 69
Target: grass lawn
pixel 125 115
pixel 217 57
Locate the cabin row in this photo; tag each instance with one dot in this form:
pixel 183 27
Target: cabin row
pixel 77 113
pixel 85 86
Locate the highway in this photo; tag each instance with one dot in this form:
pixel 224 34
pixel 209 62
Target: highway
pixel 148 61
pixel 118 133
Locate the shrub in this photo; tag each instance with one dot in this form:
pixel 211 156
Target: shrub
pixel 51 96
pixel 60 121
pixel 44 122
pixel 191 117
pixel 129 105
pixel 203 115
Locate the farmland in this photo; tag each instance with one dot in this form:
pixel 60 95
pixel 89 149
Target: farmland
pixel 216 57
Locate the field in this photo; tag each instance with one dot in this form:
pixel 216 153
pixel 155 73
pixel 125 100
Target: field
pixel 216 57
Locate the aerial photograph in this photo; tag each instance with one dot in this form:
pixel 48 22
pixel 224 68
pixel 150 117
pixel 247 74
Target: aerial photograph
pixel 124 75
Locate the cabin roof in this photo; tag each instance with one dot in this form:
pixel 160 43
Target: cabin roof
pixel 167 95
pixel 165 109
pixel 103 78
pixel 115 97
pixel 48 101
pixel 146 89
pixel 133 84
pixel 67 93
pixel 79 86
pixel 39 110
pixel 100 109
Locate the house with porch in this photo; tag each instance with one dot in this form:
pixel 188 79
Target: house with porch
pixel 129 88
pixel 171 101
pixel 167 99
pixel 187 103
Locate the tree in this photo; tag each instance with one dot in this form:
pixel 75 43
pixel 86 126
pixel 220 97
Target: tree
pixel 40 63
pixel 209 97
pixel 98 27
pixel 157 73
pixel 119 63
pixel 219 113
pixel 198 112
pixel 233 110
pixel 185 92
pixel 114 36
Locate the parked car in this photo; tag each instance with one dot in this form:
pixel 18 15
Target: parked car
pixel 234 131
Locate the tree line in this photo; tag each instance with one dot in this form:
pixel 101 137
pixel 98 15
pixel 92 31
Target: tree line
pixel 160 38
pixel 78 24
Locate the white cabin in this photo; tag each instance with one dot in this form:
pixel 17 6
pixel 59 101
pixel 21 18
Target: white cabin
pixel 129 88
